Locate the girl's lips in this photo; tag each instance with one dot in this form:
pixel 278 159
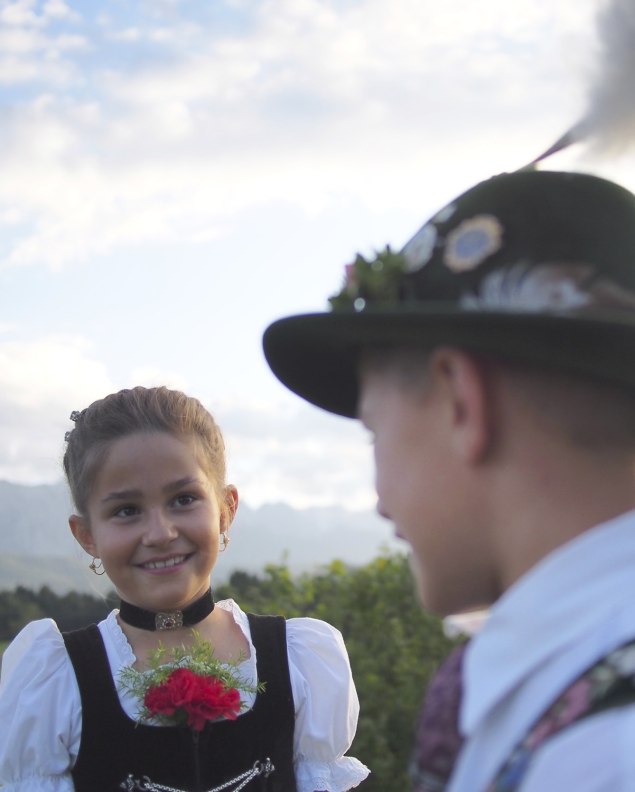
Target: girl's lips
pixel 164 564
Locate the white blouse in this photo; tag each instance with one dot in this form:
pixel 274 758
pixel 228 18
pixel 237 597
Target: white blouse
pixel 41 717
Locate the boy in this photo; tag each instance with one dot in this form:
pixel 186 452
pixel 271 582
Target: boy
pixel 492 360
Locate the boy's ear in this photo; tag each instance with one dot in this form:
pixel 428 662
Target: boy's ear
pixel 81 532
pixel 465 381
pixel 229 507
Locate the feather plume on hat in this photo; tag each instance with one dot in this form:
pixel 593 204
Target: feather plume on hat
pixel 608 124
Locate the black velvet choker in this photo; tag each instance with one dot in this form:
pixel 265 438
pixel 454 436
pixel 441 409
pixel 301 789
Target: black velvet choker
pixel 167 620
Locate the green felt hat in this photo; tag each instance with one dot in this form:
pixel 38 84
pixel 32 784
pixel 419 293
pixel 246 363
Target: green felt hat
pixel 534 266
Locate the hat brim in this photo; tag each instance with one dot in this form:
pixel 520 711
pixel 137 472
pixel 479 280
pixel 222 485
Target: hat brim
pixel 317 355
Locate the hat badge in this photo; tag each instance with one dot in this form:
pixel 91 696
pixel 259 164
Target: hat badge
pixel 472 241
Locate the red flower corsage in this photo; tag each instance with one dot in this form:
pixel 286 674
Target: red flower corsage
pixel 188 687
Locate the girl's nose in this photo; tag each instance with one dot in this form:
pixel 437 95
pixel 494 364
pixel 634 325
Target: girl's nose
pixel 159 528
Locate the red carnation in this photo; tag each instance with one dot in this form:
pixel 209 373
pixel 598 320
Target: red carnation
pixel 198 698
pixel 158 700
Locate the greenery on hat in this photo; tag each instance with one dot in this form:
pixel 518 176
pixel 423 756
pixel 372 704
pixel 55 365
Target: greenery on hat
pixel 371 280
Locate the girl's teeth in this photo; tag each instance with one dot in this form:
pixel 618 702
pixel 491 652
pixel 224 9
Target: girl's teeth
pixel 162 564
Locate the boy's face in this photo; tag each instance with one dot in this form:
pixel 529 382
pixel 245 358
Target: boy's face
pixel 420 487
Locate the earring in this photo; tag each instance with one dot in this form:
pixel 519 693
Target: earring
pixel 224 537
pixel 97 567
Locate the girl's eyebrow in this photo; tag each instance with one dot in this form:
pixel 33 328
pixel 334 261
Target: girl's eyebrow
pixel 136 493
pixel 182 482
pixel 123 495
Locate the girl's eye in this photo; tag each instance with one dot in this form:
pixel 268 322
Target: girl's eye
pixel 184 500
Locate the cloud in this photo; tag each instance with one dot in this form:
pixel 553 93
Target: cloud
pixel 31 52
pixel 58 9
pixel 152 376
pixel 309 100
pixel 41 382
pixel 19 13
pixel 297 455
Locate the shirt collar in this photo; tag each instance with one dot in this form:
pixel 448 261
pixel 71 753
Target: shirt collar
pixel 547 611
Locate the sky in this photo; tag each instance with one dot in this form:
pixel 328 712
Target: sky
pixel 176 174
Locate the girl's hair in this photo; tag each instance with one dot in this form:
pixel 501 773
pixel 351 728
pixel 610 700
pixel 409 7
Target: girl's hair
pixel 137 410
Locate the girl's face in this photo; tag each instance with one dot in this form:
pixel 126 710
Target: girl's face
pixel 154 519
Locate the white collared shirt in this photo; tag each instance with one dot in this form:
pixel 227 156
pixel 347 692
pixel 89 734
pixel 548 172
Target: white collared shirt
pixel 562 616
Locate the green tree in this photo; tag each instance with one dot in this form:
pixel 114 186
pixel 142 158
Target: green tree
pixel 71 611
pixel 394 647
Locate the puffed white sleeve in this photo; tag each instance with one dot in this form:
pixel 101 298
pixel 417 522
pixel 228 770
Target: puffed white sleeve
pixel 326 706
pixel 40 712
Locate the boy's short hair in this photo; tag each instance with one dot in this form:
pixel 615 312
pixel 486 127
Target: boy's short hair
pixel 535 267
pixel 591 414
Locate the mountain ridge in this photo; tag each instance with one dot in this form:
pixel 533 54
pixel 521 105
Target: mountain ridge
pixel 37 548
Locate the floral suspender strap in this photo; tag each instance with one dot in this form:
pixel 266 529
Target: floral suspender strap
pixel 609 683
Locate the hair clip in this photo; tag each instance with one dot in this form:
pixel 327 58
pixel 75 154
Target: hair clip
pixel 67 436
pixel 75 415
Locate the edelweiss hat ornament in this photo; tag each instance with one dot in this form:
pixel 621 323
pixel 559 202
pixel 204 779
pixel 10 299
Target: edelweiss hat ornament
pixel 535 266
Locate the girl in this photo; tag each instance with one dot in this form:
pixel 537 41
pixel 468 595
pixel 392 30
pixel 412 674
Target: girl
pixel 146 470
